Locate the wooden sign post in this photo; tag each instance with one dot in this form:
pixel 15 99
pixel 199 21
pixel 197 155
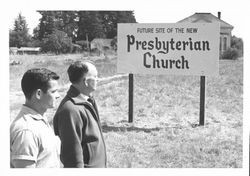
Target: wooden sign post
pixel 130 97
pixel 202 101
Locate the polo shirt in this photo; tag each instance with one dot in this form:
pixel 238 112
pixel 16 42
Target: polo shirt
pixel 32 138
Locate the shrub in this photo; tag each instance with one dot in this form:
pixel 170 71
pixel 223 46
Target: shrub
pixel 58 42
pixel 237 43
pixel 35 43
pixel 114 43
pixel 19 38
pixel 230 53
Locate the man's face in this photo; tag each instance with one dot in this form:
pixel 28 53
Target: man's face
pixel 48 99
pixel 92 79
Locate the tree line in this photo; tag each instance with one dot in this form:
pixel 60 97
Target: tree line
pixel 58 31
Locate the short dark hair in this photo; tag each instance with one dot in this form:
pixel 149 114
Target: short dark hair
pixel 76 71
pixel 37 78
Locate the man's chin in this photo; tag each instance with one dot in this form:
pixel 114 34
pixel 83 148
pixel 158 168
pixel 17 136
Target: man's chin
pixel 52 106
pixel 93 89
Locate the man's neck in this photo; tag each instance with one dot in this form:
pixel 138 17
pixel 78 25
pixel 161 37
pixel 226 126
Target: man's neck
pixel 82 90
pixel 35 106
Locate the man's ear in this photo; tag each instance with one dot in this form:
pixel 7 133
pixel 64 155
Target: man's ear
pixel 38 93
pixel 85 82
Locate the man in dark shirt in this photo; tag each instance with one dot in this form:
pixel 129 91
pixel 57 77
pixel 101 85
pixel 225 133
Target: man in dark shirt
pixel 77 121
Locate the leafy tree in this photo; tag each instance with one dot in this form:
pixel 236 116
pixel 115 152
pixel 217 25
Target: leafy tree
pixel 68 24
pixel 112 18
pixel 90 26
pixel 19 36
pixel 101 24
pixel 47 24
pixel 36 31
pixel 61 20
pixel 81 25
pixel 57 42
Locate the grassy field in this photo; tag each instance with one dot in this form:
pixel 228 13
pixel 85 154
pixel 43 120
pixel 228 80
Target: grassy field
pixel 164 133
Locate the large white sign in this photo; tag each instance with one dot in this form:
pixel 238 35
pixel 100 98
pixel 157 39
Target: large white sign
pixel 178 48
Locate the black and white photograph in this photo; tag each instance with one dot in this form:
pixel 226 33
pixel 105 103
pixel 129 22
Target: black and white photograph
pixel 156 85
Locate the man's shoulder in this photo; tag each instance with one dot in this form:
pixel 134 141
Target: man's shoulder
pixel 23 123
pixel 67 104
pixel 26 118
pixel 68 108
pixel 18 124
pixel 21 120
pixel 72 106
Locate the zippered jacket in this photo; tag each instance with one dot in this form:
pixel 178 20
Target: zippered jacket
pixel 77 124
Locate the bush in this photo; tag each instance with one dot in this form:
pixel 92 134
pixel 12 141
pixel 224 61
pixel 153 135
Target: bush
pixel 35 43
pixel 19 39
pixel 237 43
pixel 114 43
pixel 230 53
pixel 58 42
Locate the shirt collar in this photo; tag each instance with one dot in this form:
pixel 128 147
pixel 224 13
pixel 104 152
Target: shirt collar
pixel 35 115
pixel 85 97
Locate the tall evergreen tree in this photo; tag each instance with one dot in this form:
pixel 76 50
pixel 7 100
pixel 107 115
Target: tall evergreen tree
pixel 20 24
pixel 19 36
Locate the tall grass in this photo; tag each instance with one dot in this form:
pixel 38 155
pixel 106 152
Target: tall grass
pixel 166 110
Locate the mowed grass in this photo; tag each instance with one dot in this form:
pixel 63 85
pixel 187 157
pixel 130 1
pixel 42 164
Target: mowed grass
pixel 164 132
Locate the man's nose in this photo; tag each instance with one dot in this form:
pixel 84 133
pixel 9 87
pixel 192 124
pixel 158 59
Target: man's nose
pixel 57 95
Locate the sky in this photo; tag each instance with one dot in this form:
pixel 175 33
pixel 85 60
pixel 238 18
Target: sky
pixel 234 12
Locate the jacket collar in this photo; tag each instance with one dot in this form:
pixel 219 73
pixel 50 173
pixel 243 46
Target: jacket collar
pixel 81 99
pixel 76 96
